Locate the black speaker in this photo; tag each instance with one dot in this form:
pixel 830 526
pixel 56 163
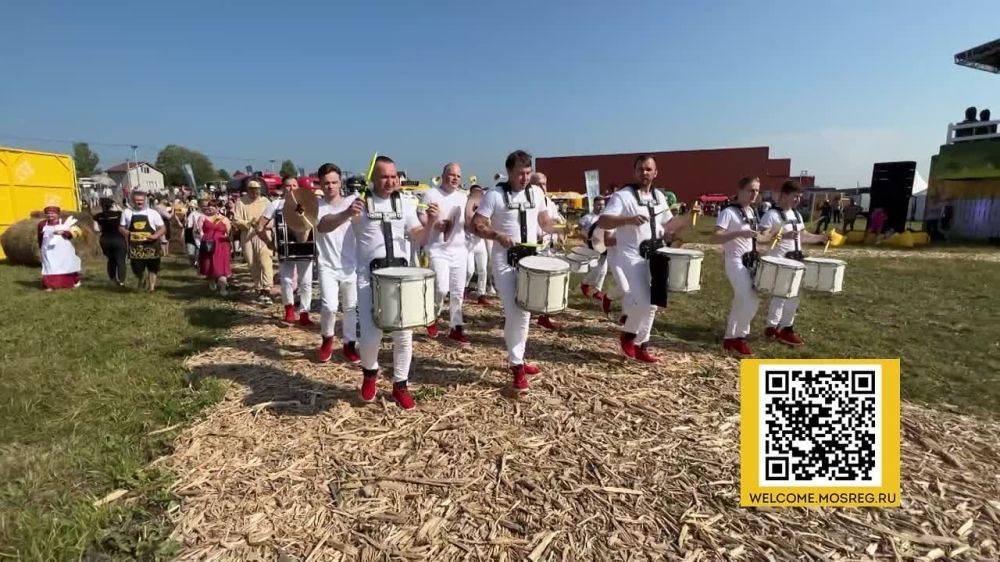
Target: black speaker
pixel 892 185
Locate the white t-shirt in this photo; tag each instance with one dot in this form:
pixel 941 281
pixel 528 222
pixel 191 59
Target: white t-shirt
pixel 451 206
pixel 504 220
pixel 336 249
pixel 788 224
pixel 624 204
pixel 368 232
pixel 273 207
pixel 731 221
pixel 152 216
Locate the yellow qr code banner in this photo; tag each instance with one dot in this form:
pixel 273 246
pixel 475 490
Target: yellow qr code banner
pixel 819 432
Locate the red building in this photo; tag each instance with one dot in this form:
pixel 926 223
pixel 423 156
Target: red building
pixel 688 173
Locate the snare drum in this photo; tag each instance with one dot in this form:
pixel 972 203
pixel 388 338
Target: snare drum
pixel 685 269
pixel 585 253
pixel 403 297
pixel 824 275
pixel 542 284
pixel 779 277
pixel 577 263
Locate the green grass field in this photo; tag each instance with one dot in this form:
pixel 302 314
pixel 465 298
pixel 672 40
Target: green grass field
pixel 86 375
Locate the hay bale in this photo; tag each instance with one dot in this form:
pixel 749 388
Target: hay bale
pixel 20 241
pixel 856 237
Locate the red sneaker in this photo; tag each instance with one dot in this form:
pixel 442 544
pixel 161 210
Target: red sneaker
pixel 520 383
pixel 789 337
pixel 325 349
pixel 585 289
pixel 304 320
pixel 483 301
pixel 642 354
pixel 290 313
pixel 738 346
pixel 369 385
pixel 627 344
pixel 606 305
pixel 432 330
pixel 402 396
pixel 547 323
pixel 350 351
pixel 530 369
pixel 770 332
pixel 622 319
pixel 456 334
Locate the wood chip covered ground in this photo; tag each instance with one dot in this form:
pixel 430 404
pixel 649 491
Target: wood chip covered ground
pixel 601 460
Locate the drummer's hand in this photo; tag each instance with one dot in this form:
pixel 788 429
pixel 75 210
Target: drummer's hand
pixel 637 220
pixel 356 207
pixel 504 240
pixel 432 213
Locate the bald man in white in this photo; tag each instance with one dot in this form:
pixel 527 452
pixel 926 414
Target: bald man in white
pixel 446 248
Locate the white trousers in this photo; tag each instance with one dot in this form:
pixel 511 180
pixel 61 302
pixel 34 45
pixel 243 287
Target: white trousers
pixel 633 278
pixel 745 300
pixel 371 335
pixel 595 277
pixel 516 319
pixel 287 273
pixel 781 312
pixel 333 293
pixel 477 263
pixel 450 279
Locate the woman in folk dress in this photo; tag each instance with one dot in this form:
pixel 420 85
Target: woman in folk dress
pixel 60 264
pixel 215 251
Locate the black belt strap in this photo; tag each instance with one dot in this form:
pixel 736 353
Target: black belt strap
pixel 522 213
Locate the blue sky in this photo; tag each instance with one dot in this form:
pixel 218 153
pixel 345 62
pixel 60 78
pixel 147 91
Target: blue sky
pixel 835 86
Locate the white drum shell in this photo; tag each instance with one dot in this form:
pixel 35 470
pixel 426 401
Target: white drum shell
pixel 403 298
pixel 779 277
pixel 577 263
pixel 542 284
pixel 685 269
pixel 824 275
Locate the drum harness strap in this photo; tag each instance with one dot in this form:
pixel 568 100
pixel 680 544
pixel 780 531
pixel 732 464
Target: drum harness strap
pixel 659 264
pixel 385 223
pixel 795 254
pixel 751 259
pixel 518 251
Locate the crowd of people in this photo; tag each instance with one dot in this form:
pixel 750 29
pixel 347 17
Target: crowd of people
pixel 459 235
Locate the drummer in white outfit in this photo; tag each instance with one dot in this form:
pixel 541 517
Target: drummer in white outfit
pixel 785 217
pixel 593 282
pixel 629 213
pixel 737 230
pixel 291 272
pixel 384 203
pixel 548 240
pixel 446 248
pixel 478 260
pixel 513 213
pixel 335 256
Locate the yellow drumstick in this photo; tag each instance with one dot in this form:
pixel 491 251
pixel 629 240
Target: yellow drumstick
pixel 371 168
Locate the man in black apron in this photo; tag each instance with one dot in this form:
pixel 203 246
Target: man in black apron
pixel 143 228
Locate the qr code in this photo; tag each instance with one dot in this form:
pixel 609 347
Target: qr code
pixel 820 425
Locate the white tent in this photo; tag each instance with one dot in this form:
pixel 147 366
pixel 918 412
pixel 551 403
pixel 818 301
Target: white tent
pixel 918 198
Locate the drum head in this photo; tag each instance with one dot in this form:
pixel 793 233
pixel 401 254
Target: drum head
pixel 828 261
pixel 681 252
pixel 543 263
pixel 783 262
pixel 597 241
pixel 404 272
pixel 585 252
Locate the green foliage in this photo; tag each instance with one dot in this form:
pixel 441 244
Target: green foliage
pixel 171 160
pixel 223 175
pixel 85 375
pixel 85 159
pixel 288 169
